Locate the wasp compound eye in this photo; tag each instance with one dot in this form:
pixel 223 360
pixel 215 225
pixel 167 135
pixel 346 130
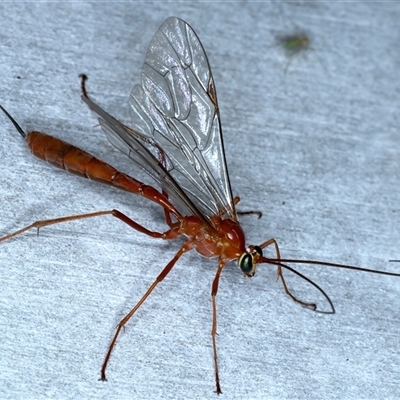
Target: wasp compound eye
pixel 246 264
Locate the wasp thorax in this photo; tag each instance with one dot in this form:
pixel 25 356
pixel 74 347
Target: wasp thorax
pixel 248 261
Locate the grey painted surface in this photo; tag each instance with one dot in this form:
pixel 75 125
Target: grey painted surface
pixel 316 149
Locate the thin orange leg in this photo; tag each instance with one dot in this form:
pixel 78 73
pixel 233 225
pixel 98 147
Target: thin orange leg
pixel 214 291
pixel 172 233
pixel 186 247
pixel 270 242
pixel 236 201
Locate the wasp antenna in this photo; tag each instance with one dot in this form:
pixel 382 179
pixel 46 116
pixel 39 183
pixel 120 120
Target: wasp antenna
pixel 279 263
pixel 333 311
pixel 328 264
pixel 19 129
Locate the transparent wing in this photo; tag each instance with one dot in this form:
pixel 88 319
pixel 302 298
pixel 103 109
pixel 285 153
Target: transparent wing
pixel 175 119
pixel 176 105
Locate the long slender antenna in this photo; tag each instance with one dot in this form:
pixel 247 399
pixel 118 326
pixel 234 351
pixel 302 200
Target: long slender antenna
pixel 316 286
pixel 280 262
pixel 328 264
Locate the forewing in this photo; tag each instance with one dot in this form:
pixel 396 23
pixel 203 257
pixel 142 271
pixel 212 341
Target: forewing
pixel 176 106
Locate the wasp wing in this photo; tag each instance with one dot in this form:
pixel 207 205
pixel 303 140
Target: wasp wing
pixel 176 105
pixel 175 117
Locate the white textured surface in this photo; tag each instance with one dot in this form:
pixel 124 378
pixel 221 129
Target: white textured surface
pixel 316 149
